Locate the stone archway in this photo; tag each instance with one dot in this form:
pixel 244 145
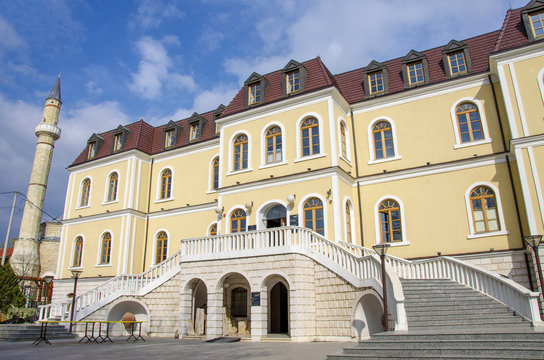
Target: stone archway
pixel 196 308
pixel 127 306
pixel 278 300
pixel 367 315
pixel 236 305
pixel 275 216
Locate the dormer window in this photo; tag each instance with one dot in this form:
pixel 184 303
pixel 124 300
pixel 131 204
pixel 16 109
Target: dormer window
pixel 293 78
pixel 92 150
pixel 171 134
pixel 93 145
pixel 117 142
pixel 120 138
pixel 375 81
pixel 169 138
pixel 293 82
pixel 254 94
pixel 415 69
pixel 415 73
pixel 533 19
pixel 457 63
pixel 194 132
pixel 456 59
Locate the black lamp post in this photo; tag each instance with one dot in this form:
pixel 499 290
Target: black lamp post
pixel 534 241
pixel 47 280
pixel 381 249
pixel 75 275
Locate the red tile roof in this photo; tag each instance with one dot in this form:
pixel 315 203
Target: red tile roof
pixel 9 252
pixel 149 139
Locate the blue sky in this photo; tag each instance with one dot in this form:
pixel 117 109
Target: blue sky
pixel 159 60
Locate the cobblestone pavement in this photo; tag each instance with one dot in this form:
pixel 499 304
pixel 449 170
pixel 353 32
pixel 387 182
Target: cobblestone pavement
pixel 160 348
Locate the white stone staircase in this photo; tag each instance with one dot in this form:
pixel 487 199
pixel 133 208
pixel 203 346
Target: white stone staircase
pixel 110 290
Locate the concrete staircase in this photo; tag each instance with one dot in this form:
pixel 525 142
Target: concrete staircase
pixel 30 332
pixel 447 320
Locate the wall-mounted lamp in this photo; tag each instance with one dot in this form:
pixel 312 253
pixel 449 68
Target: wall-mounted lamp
pixel 291 198
pixel 219 210
pixel 249 205
pixel 329 192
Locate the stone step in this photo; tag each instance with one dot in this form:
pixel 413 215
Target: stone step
pixel 25 332
pixel 494 333
pixel 428 311
pixel 463 316
pixel 447 350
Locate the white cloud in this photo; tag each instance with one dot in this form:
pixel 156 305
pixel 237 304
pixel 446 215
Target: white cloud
pixel 211 40
pixel 93 89
pixel 9 40
pixel 151 13
pixel 154 70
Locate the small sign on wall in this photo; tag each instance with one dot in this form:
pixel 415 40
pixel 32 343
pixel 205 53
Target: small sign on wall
pixel 252 227
pixel 256 299
pixel 293 220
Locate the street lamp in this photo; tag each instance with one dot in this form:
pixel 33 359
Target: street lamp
pixel 381 249
pixel 534 241
pixel 47 280
pixel 75 276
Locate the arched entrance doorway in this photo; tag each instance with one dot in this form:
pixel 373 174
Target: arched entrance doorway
pixel 276 216
pixel 200 308
pixel 278 309
pixel 236 305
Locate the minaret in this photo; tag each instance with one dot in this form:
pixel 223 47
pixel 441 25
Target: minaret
pixel 26 256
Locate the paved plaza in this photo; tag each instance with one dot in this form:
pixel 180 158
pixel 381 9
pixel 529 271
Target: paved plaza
pixel 161 348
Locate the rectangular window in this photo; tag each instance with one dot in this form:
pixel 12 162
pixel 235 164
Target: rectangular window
pixel 92 150
pixel 537 23
pixel 375 81
pixel 254 92
pixel 194 131
pixel 457 63
pixel 415 73
pixel 169 138
pixel 117 142
pixel 293 82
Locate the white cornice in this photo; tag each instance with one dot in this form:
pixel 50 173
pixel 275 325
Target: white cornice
pixel 284 105
pixel 105 215
pixel 524 142
pixel 432 90
pixel 521 53
pixel 285 180
pixel 187 150
pixel 184 210
pixel 111 159
pixel 435 169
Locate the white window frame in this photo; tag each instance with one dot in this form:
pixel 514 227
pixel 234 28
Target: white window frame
pixel 154 251
pixel 71 267
pixel 321 153
pixel 483 121
pixel 325 215
pixel 540 81
pixel 473 234
pixel 266 206
pixel 347 201
pixel 348 140
pixel 107 187
pixel 216 223
pixel 78 205
pixel 231 153
pixel 372 151
pixel 283 161
pixel 158 192
pixel 99 252
pixel 210 177
pixel 404 241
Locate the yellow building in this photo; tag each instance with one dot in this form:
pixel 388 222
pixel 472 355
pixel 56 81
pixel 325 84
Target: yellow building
pixel 438 153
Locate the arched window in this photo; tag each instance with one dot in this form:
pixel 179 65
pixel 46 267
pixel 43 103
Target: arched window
pixel 85 192
pixel 213 230
pixel 484 210
pixel 390 221
pixel 343 140
pixel 348 222
pixel 468 121
pixel 313 215
pixel 166 183
pixel 238 221
pixel 238 302
pixel 161 250
pixel 215 173
pixel 78 251
pixel 112 188
pixel 273 145
pixel 240 148
pixel 309 131
pixel 105 252
pixel 383 140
